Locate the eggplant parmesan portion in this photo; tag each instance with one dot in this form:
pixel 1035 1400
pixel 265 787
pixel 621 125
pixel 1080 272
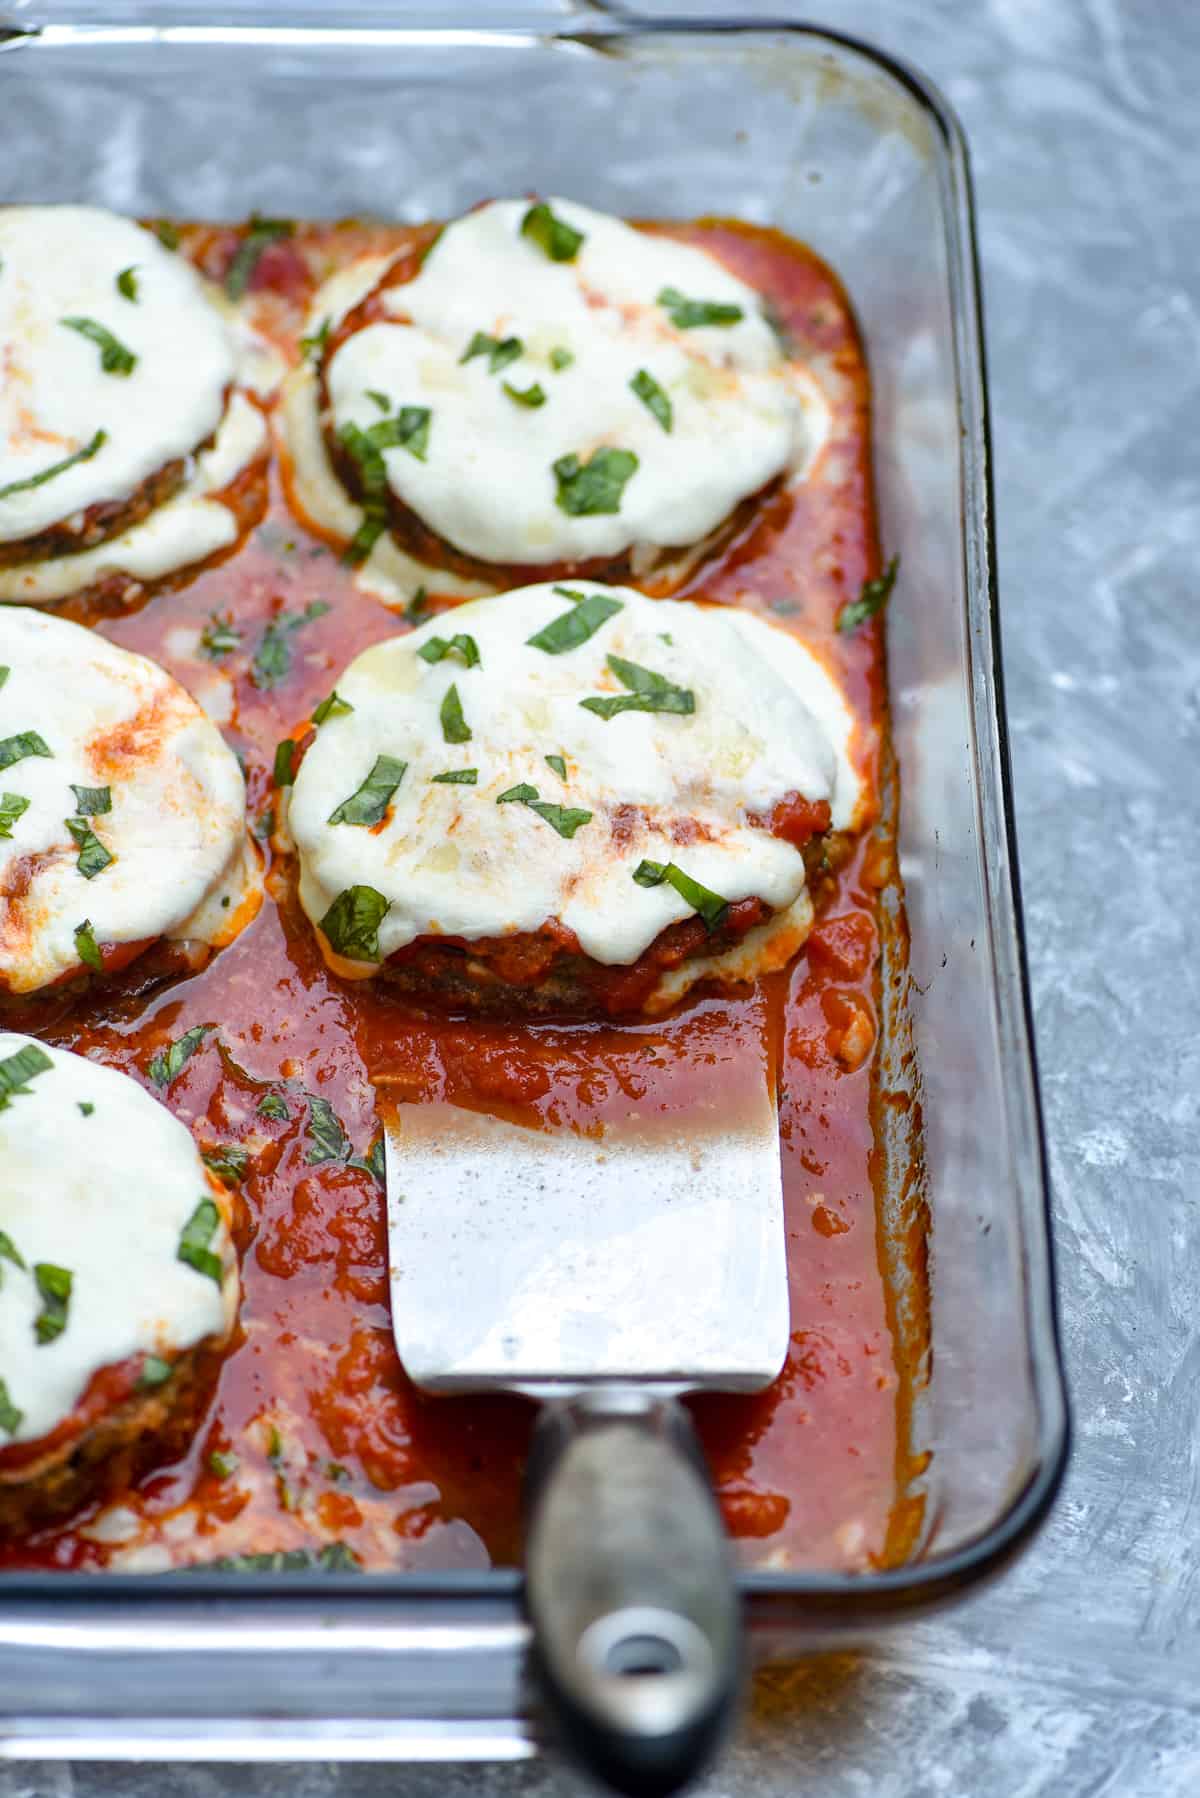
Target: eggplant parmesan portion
pixel 120 1284
pixel 573 799
pixel 123 433
pixel 122 828
pixel 550 390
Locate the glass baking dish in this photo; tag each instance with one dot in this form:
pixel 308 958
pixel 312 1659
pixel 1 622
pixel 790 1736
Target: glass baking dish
pixel 162 110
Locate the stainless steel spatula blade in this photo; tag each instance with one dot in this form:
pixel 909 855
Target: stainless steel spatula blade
pixel 605 1275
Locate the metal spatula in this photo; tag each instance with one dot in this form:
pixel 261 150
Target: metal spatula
pixel 605 1276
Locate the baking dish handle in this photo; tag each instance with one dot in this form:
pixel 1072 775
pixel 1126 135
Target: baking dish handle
pixel 630 1588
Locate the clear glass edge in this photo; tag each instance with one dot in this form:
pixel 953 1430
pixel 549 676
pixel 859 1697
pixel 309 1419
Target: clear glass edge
pixel 775 1601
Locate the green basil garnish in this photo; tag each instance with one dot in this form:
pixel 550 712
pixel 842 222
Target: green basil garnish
pixel 352 923
pixel 648 692
pixel 572 628
pixel 9 1251
pixel 273 657
pixel 54 1285
pixel 518 795
pixel 408 430
pixel 16 1071
pixel 47 474
pixel 10 1418
pixel 12 807
pixel 462 646
pixel 529 396
pixel 223 1466
pixel 325 1132
pixel 560 358
pixel 500 351
pixel 368 804
pixel 686 314
pixel 333 706
pixel 273 1105
pixel 194 1242
pixel 127 285
pixel 93 857
pixel 15 749
pixel 228 1162
pixel 566 820
pixel 588 488
pixel 115 359
pixel 558 764
pixel 653 397
pixel 313 345
pixel 245 259
pixel 90 802
pixel 372 1162
pixel 86 1107
pixel 455 728
pixel 552 235
pixel 166 234
pixel 708 905
pixel 85 947
pixel 218 637
pixel 872 599
pixel 456 777
pixel 169 1062
pixel 284 770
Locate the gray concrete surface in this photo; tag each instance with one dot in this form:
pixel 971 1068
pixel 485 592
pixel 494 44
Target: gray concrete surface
pixel 1079 1675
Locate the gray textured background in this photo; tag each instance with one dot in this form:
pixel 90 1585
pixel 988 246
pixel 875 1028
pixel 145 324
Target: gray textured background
pixel 1079 1675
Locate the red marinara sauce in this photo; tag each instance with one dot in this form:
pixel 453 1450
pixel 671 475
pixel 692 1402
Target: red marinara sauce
pixel 313 1434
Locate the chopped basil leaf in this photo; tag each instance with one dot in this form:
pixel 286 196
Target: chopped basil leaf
pixel 273 657
pixel 418 605
pixel 324 1131
pixel 587 488
pixel 12 807
pixel 566 820
pixel 366 536
pixel 372 1162
pixel 653 397
pixel 334 706
pixel 273 1105
pixel 687 314
pixel 335 1557
pixel 551 234
pixel 47 474
pixel 352 923
pixel 313 345
pixel 360 445
pixel 558 764
pixel 115 359
pixel 872 599
pixel 500 351
pixel 572 628
pixel 379 399
pixel 462 646
pixel 369 803
pixel 228 1162
pixel 222 1465
pixel 10 1418
pixel 198 1232
pixel 648 692
pixel 166 234
pixel 710 906
pixel 127 285
pixel 9 1251
pixel 245 259
pixel 219 636
pixel 4 674
pixel 529 396
pixel 284 770
pixel 455 728
pixel 667 638
pixel 169 1062
pixel 90 802
pixel 15 749
pixel 86 1107
pixel 275 1446
pixel 54 1285
pixel 560 358
pixel 456 777
pixel 408 430
pixel 85 947
pixel 93 857
pixel 155 1372
pixel 16 1071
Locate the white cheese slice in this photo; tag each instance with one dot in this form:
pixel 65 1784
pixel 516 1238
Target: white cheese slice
pixel 176 829
pixel 740 412
pixel 61 262
pixel 106 1195
pixel 769 721
pixel 189 528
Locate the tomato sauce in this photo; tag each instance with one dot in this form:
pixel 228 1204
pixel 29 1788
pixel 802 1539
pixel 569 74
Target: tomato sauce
pixel 330 1439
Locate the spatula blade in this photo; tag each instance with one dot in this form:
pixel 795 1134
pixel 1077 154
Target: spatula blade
pixel 533 1258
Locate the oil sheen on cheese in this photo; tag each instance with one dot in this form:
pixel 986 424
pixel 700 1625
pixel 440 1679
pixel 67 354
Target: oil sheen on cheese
pixel 113 722
pixel 97 1178
pixel 728 411
pixel 453 859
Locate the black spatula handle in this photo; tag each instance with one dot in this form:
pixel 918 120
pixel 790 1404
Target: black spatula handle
pixel 630 1588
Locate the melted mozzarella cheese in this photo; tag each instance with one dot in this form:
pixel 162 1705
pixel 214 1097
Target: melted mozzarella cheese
pixel 189 528
pixel 741 413
pixel 106 1195
pixel 176 826
pixel 768 722
pixel 59 262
